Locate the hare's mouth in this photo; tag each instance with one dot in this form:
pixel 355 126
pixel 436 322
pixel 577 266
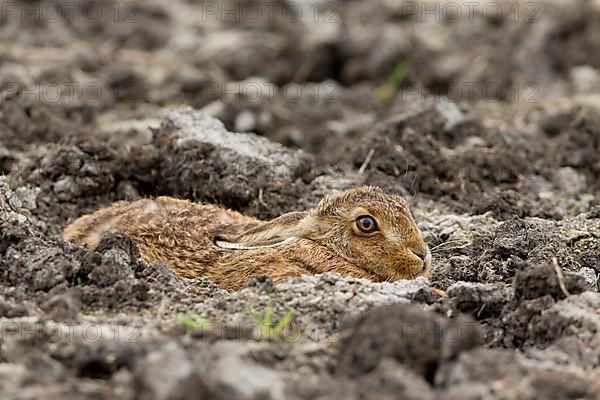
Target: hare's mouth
pixel 410 272
pixel 393 278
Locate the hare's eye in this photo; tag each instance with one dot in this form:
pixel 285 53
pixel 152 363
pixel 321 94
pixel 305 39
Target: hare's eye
pixel 366 224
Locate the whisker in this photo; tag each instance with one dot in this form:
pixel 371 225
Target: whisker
pixel 449 241
pixel 464 242
pixel 450 248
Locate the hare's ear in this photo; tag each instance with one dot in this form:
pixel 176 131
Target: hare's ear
pixel 281 230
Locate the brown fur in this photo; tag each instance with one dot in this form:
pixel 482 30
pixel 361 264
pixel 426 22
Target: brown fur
pixel 197 239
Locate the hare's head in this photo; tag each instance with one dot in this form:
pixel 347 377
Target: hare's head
pixel 367 227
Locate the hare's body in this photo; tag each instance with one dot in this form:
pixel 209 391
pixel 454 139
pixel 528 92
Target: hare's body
pixel 229 248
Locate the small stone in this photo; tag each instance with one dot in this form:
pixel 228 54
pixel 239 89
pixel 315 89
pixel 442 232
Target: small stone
pixel 570 181
pixel 245 121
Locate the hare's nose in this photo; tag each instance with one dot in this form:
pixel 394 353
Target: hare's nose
pixel 421 254
pixel 424 255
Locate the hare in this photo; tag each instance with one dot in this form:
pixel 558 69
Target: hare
pixel 363 232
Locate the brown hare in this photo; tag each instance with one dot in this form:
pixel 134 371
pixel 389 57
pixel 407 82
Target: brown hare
pixel 363 232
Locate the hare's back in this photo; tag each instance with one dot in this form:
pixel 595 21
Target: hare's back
pixel 150 220
pixel 179 233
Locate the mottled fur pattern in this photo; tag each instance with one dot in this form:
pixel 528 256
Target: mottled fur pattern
pixel 228 247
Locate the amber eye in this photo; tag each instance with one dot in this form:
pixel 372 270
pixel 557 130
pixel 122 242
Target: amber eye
pixel 366 224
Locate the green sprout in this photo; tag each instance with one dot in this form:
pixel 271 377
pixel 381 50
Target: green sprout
pixel 194 321
pixel 385 91
pixel 265 324
pixel 574 208
pixel 77 280
pixel 110 358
